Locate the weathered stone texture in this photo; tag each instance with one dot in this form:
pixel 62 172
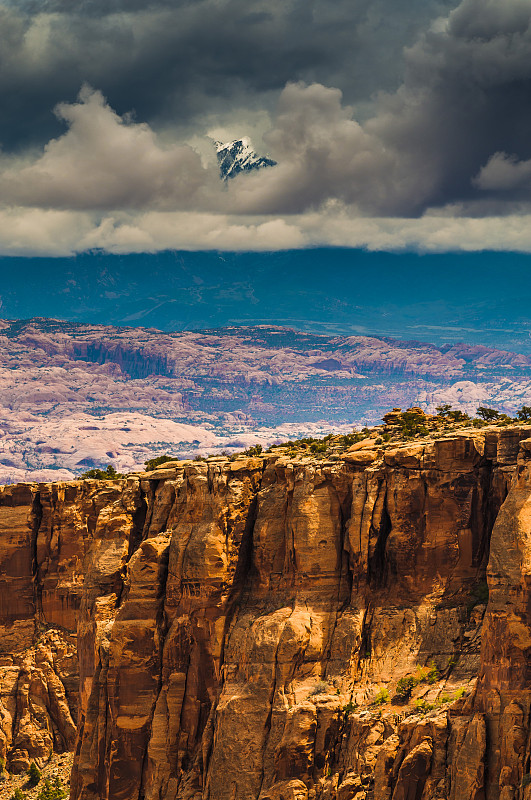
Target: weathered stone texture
pixel 235 622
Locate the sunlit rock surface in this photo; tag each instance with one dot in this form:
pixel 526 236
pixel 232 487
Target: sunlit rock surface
pixel 237 630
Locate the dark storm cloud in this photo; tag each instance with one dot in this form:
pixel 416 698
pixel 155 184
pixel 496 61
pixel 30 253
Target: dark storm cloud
pixel 466 96
pixel 456 131
pixel 439 158
pixel 175 62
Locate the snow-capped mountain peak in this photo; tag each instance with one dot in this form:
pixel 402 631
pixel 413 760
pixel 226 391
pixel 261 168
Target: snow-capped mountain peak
pixel 238 156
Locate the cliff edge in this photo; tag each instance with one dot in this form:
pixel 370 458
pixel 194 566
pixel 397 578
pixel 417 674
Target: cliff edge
pixel 277 627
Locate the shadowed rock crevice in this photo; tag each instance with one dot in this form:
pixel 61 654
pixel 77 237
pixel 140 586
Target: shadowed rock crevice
pixel 135 363
pixel 242 573
pixel 365 648
pixel 35 523
pixel 378 563
pixel 139 524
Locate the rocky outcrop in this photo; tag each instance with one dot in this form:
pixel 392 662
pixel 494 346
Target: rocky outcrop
pixel 267 628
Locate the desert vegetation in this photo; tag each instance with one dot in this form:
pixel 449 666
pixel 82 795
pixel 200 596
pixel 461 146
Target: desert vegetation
pixel 109 473
pixel 398 427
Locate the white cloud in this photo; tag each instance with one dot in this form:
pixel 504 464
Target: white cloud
pixel 322 153
pixel 26 231
pixel 193 231
pixel 37 231
pixel 106 161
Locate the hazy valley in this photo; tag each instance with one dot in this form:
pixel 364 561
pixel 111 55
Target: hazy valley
pixel 75 396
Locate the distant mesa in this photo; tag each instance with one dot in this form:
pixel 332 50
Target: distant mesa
pixel 94 395
pixel 239 156
pixel 328 364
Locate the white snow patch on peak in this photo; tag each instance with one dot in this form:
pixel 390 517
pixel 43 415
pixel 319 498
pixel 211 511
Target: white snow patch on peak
pixel 244 142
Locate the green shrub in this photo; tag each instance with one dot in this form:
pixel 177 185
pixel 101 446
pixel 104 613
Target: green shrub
pixel 458 416
pixel 319 447
pixel 479 595
pixel 421 674
pixel 253 451
pixel 381 697
pixel 19 795
pixel 405 686
pixel 482 592
pixel 423 706
pixel 349 707
pixel 34 774
pixel 444 698
pixel 52 790
pixel 429 674
pixel 505 419
pixel 433 673
pixel 351 438
pixel 320 688
pixel 103 474
pixel 151 463
pixel 412 424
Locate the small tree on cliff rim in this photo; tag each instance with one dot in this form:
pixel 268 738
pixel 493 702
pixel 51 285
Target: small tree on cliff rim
pixel 455 415
pixel 488 414
pixel 412 423
pixel 442 411
pixel 524 415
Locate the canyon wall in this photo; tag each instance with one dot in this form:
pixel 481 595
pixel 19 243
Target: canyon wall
pixel 238 630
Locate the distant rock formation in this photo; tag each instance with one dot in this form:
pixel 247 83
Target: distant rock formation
pixel 239 156
pixel 276 627
pixel 75 396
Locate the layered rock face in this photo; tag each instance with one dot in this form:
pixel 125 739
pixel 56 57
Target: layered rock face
pixel 244 630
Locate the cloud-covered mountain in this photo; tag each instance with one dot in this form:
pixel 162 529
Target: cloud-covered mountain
pixel 347 98
pixel 238 156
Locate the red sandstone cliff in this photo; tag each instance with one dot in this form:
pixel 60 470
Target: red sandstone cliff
pixel 221 630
